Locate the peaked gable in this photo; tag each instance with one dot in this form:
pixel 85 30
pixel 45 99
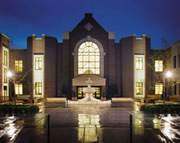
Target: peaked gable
pixel 88 24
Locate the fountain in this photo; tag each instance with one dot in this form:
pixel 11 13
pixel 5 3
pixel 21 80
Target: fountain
pixel 89 99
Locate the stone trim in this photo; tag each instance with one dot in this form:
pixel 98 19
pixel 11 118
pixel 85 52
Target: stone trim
pixel 65 35
pixel 75 54
pixel 111 35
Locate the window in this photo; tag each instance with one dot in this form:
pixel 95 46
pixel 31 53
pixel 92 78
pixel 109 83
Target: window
pixel 5 75
pixel 80 92
pixel 38 88
pixel 139 88
pixel 179 59
pixel 18 65
pixel 5 91
pixel 139 63
pixel 158 88
pixel 174 88
pixel 97 89
pixel 97 92
pixel 88 58
pixel 158 66
pixel 5 60
pixel 18 88
pixel 174 62
pixel 38 63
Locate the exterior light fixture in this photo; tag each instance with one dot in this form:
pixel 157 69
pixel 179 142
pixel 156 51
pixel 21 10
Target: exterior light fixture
pixel 168 74
pixel 9 74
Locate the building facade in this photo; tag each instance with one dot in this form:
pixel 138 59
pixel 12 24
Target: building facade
pixel 48 68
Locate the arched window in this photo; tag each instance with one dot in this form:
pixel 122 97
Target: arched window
pixel 88 58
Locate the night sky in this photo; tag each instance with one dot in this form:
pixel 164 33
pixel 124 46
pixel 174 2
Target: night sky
pixel 159 19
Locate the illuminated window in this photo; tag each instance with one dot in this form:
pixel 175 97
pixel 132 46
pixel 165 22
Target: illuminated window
pixel 158 88
pixel 18 65
pixel 38 88
pixel 139 63
pixel 80 90
pixel 88 58
pixel 80 94
pixel 139 88
pixel 97 93
pixel 158 65
pixel 38 63
pixel 5 60
pixel 5 75
pixel 18 88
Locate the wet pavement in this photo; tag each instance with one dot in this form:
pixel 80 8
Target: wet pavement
pixel 91 123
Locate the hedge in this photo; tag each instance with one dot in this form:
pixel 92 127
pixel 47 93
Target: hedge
pixel 18 109
pixel 161 108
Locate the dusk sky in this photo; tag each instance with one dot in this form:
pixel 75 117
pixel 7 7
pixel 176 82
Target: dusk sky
pixel 159 19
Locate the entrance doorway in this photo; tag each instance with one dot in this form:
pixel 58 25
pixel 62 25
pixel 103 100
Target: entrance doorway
pixel 96 94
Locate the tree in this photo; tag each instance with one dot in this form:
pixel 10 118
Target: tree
pixel 19 76
pixel 14 79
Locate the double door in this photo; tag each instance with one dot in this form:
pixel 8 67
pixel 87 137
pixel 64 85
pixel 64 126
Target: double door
pixel 96 94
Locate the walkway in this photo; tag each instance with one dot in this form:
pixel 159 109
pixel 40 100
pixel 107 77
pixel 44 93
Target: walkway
pixel 96 124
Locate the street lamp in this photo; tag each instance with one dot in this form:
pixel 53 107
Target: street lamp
pixel 9 74
pixel 168 74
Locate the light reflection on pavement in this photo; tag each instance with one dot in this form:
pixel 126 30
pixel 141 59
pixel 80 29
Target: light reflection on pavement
pixel 93 124
pixel 10 128
pixel 170 127
pixel 88 124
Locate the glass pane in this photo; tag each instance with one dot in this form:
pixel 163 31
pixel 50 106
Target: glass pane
pixel 88 58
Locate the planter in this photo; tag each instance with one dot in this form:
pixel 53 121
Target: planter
pixel 103 98
pixel 74 98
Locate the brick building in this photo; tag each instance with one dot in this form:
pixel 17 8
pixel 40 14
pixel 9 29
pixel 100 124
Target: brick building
pixel 48 68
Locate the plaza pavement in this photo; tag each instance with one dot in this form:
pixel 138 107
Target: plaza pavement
pixel 89 123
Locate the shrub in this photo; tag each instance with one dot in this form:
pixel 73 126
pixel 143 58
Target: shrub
pixel 18 109
pixel 161 108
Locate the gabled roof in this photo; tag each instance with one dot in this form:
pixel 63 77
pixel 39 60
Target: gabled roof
pixel 88 18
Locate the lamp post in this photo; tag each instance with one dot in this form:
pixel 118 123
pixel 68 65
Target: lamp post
pixel 10 75
pixel 167 75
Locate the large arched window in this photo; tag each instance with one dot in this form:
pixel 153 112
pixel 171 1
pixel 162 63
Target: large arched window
pixel 88 58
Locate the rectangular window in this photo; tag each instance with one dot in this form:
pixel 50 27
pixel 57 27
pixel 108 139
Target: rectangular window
pixel 38 88
pixel 159 88
pixel 38 63
pixel 18 65
pixel 174 62
pixel 97 92
pixel 5 91
pixel 179 59
pixel 5 60
pixel 5 75
pixel 174 88
pixel 139 88
pixel 18 88
pixel 80 92
pixel 158 66
pixel 139 63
